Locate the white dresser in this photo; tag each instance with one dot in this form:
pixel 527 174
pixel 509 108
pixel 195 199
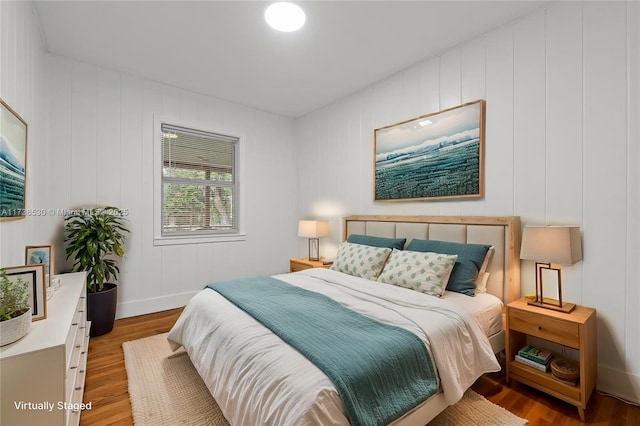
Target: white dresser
pixel 42 375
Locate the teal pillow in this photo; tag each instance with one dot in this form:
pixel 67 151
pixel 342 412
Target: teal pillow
pixel 368 240
pixel 470 258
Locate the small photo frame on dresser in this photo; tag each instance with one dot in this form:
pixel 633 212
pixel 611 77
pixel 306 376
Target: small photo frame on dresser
pixel 33 275
pixel 41 254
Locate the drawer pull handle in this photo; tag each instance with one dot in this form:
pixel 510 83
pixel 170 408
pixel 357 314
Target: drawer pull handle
pixel 78 387
pixel 539 328
pixel 81 371
pixel 82 297
pixel 83 352
pixel 81 310
pixel 78 346
pixel 71 368
pixel 74 324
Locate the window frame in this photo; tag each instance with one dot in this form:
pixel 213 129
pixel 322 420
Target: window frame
pixel 195 237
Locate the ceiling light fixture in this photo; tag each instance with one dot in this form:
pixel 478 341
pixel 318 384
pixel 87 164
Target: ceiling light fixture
pixel 284 16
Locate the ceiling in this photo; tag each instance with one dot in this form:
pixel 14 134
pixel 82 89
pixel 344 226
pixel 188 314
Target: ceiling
pixel 226 50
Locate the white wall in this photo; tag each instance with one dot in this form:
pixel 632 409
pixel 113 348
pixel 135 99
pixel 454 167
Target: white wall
pixel 90 143
pixel 23 87
pixel 562 147
pixel 101 126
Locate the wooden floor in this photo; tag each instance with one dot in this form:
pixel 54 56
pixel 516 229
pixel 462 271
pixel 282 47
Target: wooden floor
pixel 106 385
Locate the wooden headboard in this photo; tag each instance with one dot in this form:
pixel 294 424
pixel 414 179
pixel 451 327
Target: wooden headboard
pixel 503 233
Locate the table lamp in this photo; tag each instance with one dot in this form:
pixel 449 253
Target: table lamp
pixel 313 229
pixel 550 247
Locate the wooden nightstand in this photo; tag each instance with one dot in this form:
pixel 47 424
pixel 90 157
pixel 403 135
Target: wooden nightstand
pixel 575 330
pixel 298 264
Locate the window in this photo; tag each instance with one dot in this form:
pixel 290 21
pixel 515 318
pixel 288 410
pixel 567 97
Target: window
pixel 199 182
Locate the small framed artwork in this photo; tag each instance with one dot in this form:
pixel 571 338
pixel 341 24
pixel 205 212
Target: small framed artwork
pixel 41 254
pixel 13 163
pixel 434 156
pixel 33 275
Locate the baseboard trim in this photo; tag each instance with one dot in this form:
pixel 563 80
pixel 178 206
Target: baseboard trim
pixel 619 383
pixel 155 304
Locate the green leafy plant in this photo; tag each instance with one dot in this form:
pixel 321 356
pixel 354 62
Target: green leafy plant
pixel 14 297
pixel 95 239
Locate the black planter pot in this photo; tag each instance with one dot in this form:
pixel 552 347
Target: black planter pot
pixel 101 309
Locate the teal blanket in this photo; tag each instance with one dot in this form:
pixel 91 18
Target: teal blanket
pixel 380 371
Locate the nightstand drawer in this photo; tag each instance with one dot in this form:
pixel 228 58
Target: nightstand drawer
pixel 298 266
pixel 555 330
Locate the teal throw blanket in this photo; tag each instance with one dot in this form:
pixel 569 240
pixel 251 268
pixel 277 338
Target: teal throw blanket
pixel 380 371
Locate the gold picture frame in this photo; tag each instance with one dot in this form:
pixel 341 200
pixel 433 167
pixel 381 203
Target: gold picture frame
pixel 41 254
pixel 13 164
pixel 434 156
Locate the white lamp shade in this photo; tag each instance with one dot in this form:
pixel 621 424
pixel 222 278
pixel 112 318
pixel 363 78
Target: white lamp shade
pixel 313 228
pixel 553 244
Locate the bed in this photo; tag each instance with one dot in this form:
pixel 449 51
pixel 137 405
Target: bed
pixel 257 378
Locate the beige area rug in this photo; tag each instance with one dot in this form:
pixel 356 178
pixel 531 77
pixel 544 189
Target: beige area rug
pixel 166 390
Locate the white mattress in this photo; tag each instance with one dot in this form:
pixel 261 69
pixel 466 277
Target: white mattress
pixel 256 378
pixel 485 308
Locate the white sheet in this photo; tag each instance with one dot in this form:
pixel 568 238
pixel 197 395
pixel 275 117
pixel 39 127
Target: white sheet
pixel 485 308
pixel 258 379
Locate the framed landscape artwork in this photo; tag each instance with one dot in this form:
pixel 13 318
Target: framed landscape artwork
pixel 435 156
pixel 41 254
pixel 13 163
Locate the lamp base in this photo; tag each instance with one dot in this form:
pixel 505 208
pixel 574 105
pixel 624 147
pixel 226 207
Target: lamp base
pixel 553 304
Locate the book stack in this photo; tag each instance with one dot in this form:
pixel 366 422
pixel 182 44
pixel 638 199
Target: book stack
pixel 534 357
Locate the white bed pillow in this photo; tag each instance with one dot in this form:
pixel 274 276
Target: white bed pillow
pixel 426 272
pixel 483 273
pixel 360 260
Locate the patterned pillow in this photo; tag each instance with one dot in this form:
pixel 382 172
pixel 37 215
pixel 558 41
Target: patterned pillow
pixel 470 260
pixel 360 260
pixel 422 271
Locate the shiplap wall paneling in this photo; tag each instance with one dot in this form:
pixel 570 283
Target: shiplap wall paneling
pixel 632 291
pixel 135 280
pixel 108 139
pixel 59 185
pixel 605 143
pixel 412 79
pixel 450 96
pixel 473 87
pixel 499 136
pixel 23 87
pixel 450 76
pixel 563 180
pixel 473 70
pixel 564 114
pixel 529 117
pixel 84 133
pixel 151 264
pixel 429 86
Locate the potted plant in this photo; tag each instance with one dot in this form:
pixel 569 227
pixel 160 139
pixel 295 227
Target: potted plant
pixel 15 312
pixel 95 239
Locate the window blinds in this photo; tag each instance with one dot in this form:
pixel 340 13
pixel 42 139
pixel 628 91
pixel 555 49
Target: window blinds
pixel 199 184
